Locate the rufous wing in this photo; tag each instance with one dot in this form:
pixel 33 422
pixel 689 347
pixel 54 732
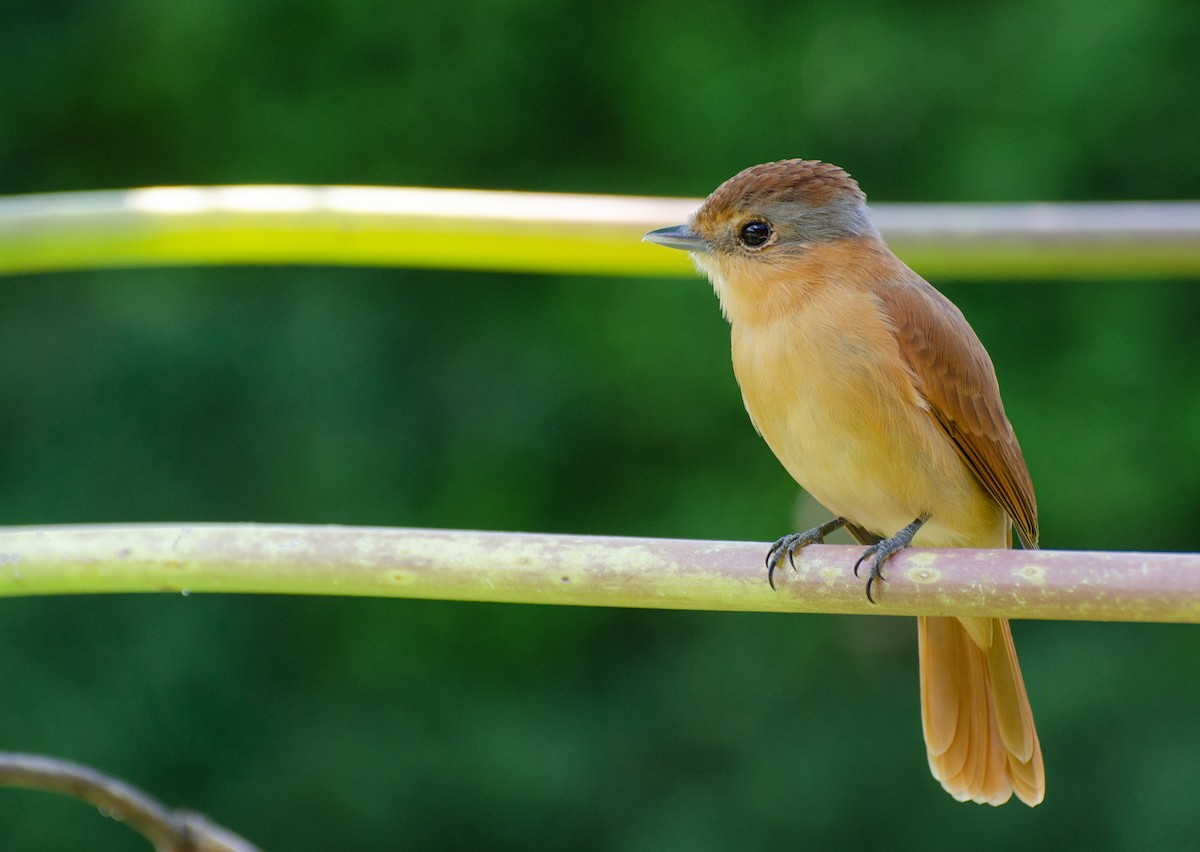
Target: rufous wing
pixel 955 376
pixel 979 731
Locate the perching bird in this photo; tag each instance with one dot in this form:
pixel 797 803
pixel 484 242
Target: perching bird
pixel 876 395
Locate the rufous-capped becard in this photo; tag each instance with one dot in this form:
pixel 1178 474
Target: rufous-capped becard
pixel 878 398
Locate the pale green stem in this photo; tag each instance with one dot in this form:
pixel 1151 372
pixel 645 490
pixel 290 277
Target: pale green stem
pixel 591 571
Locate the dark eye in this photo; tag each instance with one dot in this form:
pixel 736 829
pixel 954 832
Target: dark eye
pixel 754 234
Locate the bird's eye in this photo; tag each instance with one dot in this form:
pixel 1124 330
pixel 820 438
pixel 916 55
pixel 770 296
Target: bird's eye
pixel 754 234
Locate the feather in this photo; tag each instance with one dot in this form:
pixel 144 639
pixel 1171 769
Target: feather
pixel 979 732
pixel 955 376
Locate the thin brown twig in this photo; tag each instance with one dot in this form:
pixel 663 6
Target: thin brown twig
pixel 170 830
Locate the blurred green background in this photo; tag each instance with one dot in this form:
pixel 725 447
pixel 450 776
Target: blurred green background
pixel 417 398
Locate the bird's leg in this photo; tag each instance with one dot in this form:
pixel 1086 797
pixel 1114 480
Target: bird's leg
pixel 882 550
pixel 789 544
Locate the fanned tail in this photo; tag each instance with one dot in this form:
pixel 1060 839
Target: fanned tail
pixel 979 730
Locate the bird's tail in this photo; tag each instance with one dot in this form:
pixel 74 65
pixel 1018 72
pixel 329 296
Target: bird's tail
pixel 979 729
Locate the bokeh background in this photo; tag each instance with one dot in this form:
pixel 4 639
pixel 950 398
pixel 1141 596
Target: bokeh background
pixel 580 405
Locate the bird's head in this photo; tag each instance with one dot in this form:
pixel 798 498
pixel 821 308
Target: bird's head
pixel 764 220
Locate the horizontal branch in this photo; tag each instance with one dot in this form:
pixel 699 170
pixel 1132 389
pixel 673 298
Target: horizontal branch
pixel 590 571
pixel 168 829
pixel 544 232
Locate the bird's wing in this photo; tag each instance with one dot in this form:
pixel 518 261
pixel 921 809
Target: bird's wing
pixel 955 376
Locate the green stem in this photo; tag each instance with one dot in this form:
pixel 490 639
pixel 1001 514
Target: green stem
pixel 544 232
pixel 590 571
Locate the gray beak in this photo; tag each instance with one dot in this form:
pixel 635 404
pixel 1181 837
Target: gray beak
pixel 677 237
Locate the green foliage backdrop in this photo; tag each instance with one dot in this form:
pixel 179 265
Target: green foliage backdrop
pixel 579 405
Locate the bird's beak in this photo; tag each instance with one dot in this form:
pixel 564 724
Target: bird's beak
pixel 677 237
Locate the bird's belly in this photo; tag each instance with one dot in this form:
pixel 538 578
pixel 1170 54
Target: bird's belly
pixel 854 462
pixel 853 432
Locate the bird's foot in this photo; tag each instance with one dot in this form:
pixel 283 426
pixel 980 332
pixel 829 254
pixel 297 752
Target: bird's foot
pixel 881 551
pixel 789 544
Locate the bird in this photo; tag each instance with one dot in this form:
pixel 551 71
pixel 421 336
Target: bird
pixel 876 395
